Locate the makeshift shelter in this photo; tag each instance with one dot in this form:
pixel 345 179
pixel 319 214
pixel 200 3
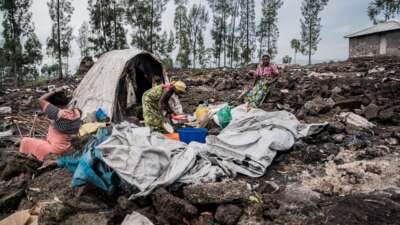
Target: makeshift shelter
pixel 117 81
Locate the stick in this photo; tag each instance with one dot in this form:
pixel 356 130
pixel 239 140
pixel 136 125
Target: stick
pixel 33 125
pixel 20 134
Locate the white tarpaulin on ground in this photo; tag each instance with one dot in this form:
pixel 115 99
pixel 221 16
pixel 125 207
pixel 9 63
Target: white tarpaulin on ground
pixel 246 146
pixel 136 218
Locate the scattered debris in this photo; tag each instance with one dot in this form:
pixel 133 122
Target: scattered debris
pixel 5 110
pixel 217 193
pixel 318 106
pixel 228 214
pixel 346 174
pixel 356 120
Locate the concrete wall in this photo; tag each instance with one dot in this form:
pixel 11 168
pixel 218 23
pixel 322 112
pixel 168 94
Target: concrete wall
pixel 364 46
pixel 370 45
pixel 393 43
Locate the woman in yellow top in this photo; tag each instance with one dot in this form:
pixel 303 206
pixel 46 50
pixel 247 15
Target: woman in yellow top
pixel 155 103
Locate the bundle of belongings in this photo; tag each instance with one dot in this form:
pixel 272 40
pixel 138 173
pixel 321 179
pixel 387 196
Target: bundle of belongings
pixel 148 160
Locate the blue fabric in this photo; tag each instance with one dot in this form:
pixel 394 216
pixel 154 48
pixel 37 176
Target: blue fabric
pixel 87 166
pixel 100 115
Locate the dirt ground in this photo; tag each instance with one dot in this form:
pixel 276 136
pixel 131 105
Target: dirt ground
pixel 343 175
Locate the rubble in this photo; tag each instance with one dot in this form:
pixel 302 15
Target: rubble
pixel 172 208
pixel 318 106
pixel 371 111
pixel 356 120
pixel 217 193
pixel 5 110
pixel 346 174
pixel 228 214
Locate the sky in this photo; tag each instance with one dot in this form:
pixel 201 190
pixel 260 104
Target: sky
pixel 339 18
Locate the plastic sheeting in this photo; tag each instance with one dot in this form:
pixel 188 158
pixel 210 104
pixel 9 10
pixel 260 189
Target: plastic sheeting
pixel 136 218
pixel 149 160
pixel 88 165
pixel 246 146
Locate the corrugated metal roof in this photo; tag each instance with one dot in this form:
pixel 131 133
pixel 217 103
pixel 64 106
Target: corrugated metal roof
pixel 379 28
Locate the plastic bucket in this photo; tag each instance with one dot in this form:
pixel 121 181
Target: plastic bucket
pixel 188 135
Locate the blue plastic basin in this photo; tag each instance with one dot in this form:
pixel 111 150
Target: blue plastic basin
pixel 188 135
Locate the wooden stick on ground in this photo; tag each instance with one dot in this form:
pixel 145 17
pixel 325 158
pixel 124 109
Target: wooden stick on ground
pixel 33 125
pixel 19 130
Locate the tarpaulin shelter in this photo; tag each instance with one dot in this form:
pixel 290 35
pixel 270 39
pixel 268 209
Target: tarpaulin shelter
pixel 117 81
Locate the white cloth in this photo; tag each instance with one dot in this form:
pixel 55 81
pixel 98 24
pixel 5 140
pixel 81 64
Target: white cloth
pixel 246 146
pixel 136 218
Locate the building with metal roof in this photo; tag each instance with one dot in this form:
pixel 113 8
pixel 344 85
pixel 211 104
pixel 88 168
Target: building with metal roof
pixel 382 39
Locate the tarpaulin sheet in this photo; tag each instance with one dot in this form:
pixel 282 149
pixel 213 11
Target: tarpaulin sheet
pixel 87 166
pixel 246 146
pixel 136 218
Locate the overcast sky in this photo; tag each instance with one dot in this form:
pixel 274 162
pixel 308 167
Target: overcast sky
pixel 340 17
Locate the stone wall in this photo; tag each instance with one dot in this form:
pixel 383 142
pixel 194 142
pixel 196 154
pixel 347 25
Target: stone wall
pixel 367 46
pixel 393 43
pixel 364 46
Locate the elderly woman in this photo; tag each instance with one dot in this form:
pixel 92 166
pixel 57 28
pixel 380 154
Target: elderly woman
pixel 265 74
pixel 155 103
pixel 65 122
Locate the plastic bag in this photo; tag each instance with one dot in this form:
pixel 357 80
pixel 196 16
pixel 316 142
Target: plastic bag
pixel 201 116
pixel 224 116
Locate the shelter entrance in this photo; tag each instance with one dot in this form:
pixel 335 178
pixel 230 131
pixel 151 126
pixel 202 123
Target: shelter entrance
pixel 139 75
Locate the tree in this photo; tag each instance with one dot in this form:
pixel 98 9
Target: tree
pixel 198 19
pixel 201 50
pixel 171 42
pixel 247 30
pixel 166 44
pixel 106 25
pixel 389 9
pixel 49 71
pixel 181 24
pixel 165 47
pixel 311 26
pixel 83 39
pixel 287 60
pixel 233 52
pixel 17 27
pixel 296 46
pixel 222 10
pixel 145 20
pixel 33 55
pixel 59 42
pixel 268 32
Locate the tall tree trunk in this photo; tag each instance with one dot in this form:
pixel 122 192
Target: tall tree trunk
pixel 115 25
pixel 14 49
pixel 269 40
pixel 194 53
pixel 60 74
pixel 220 42
pixel 309 45
pixel 233 32
pixel 247 32
pixel 67 66
pixel 151 26
pixel 102 25
pixel 261 45
pixel 224 37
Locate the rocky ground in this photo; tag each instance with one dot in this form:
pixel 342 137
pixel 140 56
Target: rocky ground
pixel 347 174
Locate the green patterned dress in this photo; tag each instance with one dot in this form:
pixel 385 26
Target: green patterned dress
pixel 151 112
pixel 258 94
pixel 260 91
